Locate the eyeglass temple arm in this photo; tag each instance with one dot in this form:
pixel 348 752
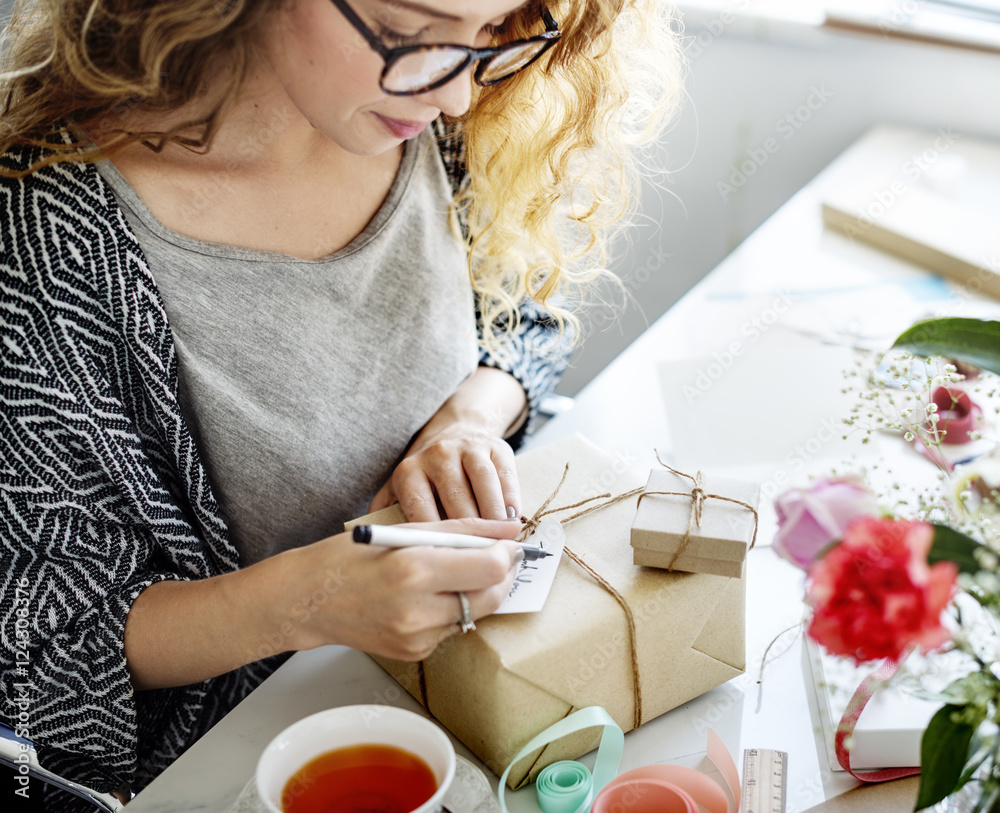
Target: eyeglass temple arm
pixel 370 37
pixel 550 24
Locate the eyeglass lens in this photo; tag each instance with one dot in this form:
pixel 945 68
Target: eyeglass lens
pixel 504 64
pixel 421 69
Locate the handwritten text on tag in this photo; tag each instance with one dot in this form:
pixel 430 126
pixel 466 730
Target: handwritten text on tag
pixel 534 579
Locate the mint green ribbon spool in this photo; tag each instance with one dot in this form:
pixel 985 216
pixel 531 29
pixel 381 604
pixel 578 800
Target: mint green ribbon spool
pixel 568 787
pixel 564 787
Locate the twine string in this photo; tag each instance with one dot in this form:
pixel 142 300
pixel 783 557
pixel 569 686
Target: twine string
pixel 632 634
pixel 531 524
pixel 635 492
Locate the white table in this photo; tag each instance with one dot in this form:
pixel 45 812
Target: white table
pixel 622 411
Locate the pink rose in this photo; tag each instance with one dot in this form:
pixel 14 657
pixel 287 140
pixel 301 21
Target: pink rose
pixel 810 519
pixel 874 595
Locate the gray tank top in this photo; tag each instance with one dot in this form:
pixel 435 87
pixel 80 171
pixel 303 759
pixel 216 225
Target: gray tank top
pixel 303 381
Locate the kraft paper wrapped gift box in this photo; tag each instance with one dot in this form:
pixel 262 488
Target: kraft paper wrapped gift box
pixel 499 686
pixel 718 544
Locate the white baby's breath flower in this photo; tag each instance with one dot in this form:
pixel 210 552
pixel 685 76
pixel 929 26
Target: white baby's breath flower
pixel 987 559
pixel 975 485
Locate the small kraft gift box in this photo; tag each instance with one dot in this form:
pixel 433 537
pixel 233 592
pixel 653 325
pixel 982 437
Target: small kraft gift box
pixel 637 641
pixel 695 524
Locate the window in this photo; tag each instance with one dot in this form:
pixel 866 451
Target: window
pixel 969 23
pixel 976 8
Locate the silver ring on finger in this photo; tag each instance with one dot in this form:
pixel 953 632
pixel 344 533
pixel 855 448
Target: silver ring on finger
pixel 465 622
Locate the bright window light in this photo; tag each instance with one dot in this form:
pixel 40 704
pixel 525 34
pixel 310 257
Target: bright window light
pixel 978 8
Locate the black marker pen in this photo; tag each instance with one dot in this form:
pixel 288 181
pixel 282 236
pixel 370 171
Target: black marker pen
pixel 396 536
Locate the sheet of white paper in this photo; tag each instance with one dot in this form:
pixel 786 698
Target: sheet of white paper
pixel 534 579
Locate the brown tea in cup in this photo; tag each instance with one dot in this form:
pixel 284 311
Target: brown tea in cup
pixel 360 779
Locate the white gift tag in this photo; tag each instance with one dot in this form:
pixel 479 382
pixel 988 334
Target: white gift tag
pixel 534 579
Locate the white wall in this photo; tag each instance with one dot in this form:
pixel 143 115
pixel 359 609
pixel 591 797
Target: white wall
pixel 742 82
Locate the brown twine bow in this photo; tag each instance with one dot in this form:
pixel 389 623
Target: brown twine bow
pixel 698 496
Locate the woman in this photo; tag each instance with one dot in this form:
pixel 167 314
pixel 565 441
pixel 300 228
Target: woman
pixel 238 311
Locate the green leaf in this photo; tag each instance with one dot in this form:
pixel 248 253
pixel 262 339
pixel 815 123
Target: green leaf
pixel 944 750
pixel 976 341
pixel 950 545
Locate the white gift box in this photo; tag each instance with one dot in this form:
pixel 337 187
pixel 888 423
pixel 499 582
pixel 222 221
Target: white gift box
pixel 887 734
pixel 889 731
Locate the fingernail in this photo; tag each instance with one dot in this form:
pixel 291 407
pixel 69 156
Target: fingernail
pixel 511 513
pixel 518 555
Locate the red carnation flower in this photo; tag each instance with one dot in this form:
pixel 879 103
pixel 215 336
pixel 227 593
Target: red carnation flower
pixel 874 595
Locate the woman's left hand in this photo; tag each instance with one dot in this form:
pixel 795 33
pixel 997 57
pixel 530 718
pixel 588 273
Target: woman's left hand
pixel 460 459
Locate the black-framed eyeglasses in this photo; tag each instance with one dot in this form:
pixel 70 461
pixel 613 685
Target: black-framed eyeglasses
pixel 414 69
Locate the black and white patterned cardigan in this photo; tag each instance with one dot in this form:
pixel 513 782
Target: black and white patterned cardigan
pixel 102 490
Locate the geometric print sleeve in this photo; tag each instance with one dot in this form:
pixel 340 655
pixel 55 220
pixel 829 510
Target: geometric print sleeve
pixel 101 489
pixel 536 355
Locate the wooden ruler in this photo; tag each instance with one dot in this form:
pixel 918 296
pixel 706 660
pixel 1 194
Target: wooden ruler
pixel 765 781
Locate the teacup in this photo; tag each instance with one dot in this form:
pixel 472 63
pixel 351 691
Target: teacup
pixel 348 727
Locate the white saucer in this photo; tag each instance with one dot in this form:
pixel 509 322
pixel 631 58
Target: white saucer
pixel 470 791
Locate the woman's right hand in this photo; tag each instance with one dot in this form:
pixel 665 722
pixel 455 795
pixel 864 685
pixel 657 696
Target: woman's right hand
pixel 395 602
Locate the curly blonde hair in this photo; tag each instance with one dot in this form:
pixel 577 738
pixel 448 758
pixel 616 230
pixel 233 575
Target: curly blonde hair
pixel 553 153
pixel 87 61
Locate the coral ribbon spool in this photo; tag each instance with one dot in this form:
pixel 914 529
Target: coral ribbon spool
pixel 568 787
